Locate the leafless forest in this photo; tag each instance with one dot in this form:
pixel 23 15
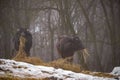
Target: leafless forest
pixel 96 22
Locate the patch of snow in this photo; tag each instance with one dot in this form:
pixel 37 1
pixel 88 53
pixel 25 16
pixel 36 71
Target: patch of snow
pixel 116 71
pixel 2 73
pixel 23 69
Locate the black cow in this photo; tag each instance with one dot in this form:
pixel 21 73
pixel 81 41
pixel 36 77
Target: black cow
pixel 27 35
pixel 66 46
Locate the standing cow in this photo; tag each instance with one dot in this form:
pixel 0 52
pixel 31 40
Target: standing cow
pixel 66 46
pixel 27 35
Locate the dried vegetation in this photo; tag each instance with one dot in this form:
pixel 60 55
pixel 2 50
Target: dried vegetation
pixel 60 63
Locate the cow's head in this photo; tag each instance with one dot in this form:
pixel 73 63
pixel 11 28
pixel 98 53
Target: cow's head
pixel 67 45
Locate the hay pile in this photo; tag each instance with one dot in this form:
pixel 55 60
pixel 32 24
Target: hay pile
pixel 21 54
pixel 9 77
pixel 60 63
pixel 65 64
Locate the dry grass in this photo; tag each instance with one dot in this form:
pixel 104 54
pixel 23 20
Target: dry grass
pixel 64 64
pixel 31 60
pixel 18 78
pixel 21 54
pixel 99 74
pixel 60 63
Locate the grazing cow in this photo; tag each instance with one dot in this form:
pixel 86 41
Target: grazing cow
pixel 27 35
pixel 66 46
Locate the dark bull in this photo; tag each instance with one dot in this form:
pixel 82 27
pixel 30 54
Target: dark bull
pixel 28 37
pixel 66 46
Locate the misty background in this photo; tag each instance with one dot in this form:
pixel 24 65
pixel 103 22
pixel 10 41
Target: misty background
pixel 96 22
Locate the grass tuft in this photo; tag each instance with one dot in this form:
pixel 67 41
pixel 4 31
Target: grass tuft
pixel 64 64
pixel 19 78
pixel 60 63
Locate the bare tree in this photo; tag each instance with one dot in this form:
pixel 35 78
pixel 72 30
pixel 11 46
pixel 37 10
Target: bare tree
pixel 96 22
